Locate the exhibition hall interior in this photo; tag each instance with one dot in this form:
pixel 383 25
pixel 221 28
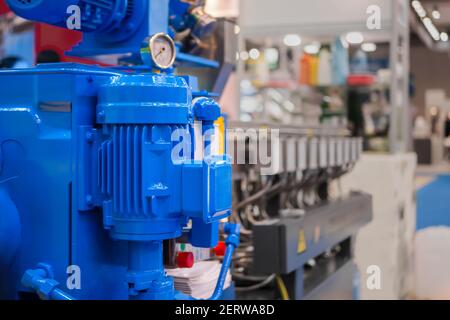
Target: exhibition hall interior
pixel 232 150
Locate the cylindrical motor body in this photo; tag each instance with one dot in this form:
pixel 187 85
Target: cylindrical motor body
pixel 139 174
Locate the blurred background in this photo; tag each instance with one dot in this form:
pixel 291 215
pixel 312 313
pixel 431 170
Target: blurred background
pixel 373 70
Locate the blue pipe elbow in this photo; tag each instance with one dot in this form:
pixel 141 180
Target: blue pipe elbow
pixel 41 281
pixel 232 242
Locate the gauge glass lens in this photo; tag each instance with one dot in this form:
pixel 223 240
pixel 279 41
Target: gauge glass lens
pixel 163 51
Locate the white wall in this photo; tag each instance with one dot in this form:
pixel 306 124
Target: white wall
pixel 266 15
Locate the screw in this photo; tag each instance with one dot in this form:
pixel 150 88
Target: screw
pixel 90 137
pixel 89 200
pixel 101 116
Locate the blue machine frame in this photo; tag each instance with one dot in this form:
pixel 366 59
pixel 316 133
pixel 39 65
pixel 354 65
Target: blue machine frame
pixel 85 149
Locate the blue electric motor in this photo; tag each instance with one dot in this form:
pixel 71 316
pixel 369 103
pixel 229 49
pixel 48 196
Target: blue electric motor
pixel 97 167
pixel 108 26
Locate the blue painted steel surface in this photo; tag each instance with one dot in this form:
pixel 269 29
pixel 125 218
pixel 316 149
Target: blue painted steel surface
pixel 87 156
pixel 86 149
pixel 9 228
pixel 188 59
pixel 98 16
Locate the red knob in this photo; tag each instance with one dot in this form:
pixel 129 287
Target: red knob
pixel 220 249
pixel 185 259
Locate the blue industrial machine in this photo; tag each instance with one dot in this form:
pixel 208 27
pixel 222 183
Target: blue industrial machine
pixel 89 179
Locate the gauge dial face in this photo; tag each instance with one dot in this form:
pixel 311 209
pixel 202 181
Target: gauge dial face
pixel 162 50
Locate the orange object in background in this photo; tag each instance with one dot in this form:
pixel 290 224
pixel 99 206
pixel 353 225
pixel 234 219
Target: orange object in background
pixel 304 69
pixel 313 70
pixel 309 68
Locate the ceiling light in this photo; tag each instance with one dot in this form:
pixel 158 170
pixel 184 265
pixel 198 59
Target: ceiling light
pixel 369 47
pixel 354 37
pixel 435 13
pixel 419 9
pixel 344 42
pixel 444 36
pixel 292 40
pixel 431 28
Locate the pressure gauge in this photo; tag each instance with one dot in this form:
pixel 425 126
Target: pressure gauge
pixel 161 50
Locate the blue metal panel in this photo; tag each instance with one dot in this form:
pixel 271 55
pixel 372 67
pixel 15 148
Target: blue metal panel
pixel 43 169
pixel 9 229
pixel 73 177
pixel 86 158
pixel 145 98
